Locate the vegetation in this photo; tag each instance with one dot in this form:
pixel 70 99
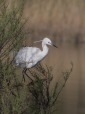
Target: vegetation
pixel 44 98
pixel 11 37
pixel 17 96
pixel 64 20
pixel 30 97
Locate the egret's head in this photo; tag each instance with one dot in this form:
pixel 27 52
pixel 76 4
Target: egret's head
pixel 47 41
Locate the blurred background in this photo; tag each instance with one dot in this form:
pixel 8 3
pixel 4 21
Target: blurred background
pixel 63 21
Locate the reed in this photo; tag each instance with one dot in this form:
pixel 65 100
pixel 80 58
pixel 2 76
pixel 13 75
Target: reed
pixel 58 18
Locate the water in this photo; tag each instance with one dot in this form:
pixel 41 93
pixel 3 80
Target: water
pixel 73 95
pixel 74 91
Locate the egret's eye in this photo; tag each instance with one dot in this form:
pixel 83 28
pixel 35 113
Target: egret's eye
pixel 49 42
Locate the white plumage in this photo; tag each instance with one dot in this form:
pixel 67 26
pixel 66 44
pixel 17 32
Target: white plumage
pixel 27 57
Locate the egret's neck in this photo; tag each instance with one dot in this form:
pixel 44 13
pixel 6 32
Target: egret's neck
pixel 45 49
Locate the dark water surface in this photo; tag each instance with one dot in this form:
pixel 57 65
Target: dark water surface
pixel 74 91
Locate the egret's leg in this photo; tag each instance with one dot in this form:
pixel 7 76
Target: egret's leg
pixel 23 75
pixel 27 74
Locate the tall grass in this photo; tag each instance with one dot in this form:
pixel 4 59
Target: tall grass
pixel 57 18
pixel 11 28
pixel 58 13
pixel 11 37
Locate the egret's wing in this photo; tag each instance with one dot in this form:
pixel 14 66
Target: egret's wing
pixel 26 54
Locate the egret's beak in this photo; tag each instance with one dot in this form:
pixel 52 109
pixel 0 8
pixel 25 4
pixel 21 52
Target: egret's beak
pixel 38 41
pixel 54 45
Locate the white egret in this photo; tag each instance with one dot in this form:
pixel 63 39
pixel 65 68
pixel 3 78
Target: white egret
pixel 28 57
